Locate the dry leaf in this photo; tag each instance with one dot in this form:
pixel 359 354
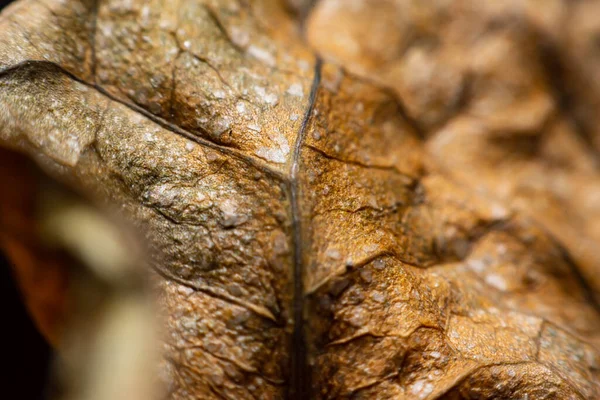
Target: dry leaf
pixel 370 227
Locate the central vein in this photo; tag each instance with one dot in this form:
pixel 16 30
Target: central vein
pixel 300 376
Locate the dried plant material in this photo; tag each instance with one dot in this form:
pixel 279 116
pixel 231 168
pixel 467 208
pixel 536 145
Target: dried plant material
pixel 354 229
pixel 101 324
pixel 42 273
pixel 505 95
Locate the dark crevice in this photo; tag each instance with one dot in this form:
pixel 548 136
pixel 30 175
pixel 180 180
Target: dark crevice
pixel 225 297
pixel 213 68
pixel 4 3
pixel 538 339
pixel 217 22
pixel 181 49
pixel 588 291
pixel 27 354
pixel 402 109
pixel 562 82
pixel 301 10
pixel 246 368
pixel 171 112
pixel 172 94
pixel 95 10
pixel 566 378
pixel 48 8
pixel 379 211
pixel 452 391
pixel 357 163
pixel 459 105
pixel 300 386
pixel 445 254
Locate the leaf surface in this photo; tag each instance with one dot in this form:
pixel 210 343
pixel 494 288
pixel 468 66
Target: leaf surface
pixel 311 233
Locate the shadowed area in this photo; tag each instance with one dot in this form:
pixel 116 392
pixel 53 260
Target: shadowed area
pixel 27 354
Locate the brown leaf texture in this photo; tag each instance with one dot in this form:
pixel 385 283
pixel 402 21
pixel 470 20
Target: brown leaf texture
pixel 413 218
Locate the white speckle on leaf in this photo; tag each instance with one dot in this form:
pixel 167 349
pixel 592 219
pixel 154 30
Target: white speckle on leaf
pixel 186 291
pixel 145 12
pixel 280 244
pixel 165 25
pixel 422 389
pixel 200 196
pixel 378 297
pixel 240 107
pixel 501 249
pixel 262 55
pixel 334 254
pixel 187 44
pixel 359 317
pixel 295 90
pixel 499 212
pixel 496 281
pixel 277 154
pixel 271 99
pixel 304 65
pixel 366 275
pixel 379 264
pixel 219 94
pixel 107 29
pixel 254 127
pixel 189 323
pixel 476 265
pixel 259 90
pixel 223 125
pixel 161 195
pixel 268 98
pixel 294 117
pixel 212 156
pixel 231 216
pixel 240 37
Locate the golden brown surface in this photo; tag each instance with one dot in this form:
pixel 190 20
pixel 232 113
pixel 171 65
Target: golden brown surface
pixel 414 218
